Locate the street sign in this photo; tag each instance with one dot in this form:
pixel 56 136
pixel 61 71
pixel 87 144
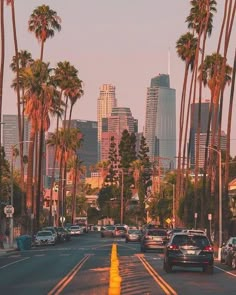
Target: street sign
pixel 62 219
pixel 209 216
pixel 168 220
pixel 9 210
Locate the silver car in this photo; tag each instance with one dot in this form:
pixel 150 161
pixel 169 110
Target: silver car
pixel 44 237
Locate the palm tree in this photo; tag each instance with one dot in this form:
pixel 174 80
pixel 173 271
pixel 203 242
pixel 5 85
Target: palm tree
pixel 44 22
pixel 200 20
pixel 186 48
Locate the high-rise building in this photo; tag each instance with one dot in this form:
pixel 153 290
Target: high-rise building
pixel 11 137
pixel 205 107
pixel 120 119
pixel 203 136
pixel 88 152
pixel 160 119
pixel 106 102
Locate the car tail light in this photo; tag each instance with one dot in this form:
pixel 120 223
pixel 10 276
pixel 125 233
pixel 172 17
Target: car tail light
pixel 173 247
pixel 208 249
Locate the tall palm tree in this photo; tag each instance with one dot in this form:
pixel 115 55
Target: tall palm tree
pixel 201 21
pixel 186 48
pixel 44 22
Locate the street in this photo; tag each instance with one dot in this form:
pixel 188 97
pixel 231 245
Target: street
pixel 81 266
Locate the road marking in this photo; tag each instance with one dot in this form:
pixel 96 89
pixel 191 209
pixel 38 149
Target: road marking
pixel 67 279
pixel 228 272
pixel 14 262
pixel 160 281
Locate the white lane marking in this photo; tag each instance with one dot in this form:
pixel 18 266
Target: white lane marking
pixel 14 262
pixel 228 272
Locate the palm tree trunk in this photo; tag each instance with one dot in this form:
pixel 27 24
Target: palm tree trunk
pixel 1 83
pixel 29 188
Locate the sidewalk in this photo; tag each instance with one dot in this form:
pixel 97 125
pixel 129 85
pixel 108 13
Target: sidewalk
pixel 7 248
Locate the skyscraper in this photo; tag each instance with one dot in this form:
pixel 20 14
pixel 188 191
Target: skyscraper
pixel 120 119
pixel 205 107
pixel 160 119
pixel 11 136
pixel 106 101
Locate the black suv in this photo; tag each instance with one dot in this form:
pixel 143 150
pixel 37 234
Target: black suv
pixel 191 250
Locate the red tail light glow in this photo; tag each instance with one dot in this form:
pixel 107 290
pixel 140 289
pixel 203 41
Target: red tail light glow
pixel 208 249
pixel 173 247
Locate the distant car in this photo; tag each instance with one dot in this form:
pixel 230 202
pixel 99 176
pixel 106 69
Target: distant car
pixel 120 231
pixel 133 235
pixel 228 250
pixel 64 233
pixel 153 239
pixel 54 231
pixel 75 230
pixel 44 238
pixel 194 231
pixel 107 231
pixel 189 250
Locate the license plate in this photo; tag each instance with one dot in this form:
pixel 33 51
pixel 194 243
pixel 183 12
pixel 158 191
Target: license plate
pixel 191 252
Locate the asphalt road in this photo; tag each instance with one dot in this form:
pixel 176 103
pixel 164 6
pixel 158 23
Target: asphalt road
pixel 82 266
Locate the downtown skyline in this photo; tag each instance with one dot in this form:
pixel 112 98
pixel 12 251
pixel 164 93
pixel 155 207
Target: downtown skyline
pixel 113 43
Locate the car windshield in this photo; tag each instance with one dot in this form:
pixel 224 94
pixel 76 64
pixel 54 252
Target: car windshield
pixel 193 240
pixel 44 233
pixel 75 227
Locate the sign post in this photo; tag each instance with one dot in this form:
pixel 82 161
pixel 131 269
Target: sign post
pixel 195 220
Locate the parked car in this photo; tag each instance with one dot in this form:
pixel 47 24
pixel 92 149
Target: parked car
pixel 54 231
pixel 189 250
pixel 133 235
pixel 107 231
pixel 44 237
pixel 228 250
pixel 153 239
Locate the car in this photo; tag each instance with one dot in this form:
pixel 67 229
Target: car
pixel 153 239
pixel 195 231
pixel 133 235
pixel 227 251
pixel 44 237
pixel 120 231
pixel 75 230
pixel 64 233
pixel 54 231
pixel 107 231
pixel 189 250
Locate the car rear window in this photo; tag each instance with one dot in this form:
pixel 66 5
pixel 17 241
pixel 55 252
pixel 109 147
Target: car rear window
pixel 159 233
pixel 109 227
pixel 121 228
pixel 191 240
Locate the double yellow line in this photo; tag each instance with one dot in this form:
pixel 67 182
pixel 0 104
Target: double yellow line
pixel 162 283
pixel 66 280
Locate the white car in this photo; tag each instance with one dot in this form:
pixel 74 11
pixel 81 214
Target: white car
pixel 76 230
pixel 44 237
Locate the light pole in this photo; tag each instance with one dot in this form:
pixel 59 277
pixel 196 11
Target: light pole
pixel 220 199
pixel 173 209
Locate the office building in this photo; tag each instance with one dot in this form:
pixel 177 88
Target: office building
pixel 11 137
pixel 120 119
pixel 106 102
pixel 160 119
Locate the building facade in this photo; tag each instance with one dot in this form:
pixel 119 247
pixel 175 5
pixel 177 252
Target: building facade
pixel 106 102
pixel 11 137
pixel 160 118
pixel 120 119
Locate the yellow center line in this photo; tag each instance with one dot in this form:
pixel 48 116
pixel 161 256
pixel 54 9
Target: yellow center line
pixel 160 281
pixel 66 280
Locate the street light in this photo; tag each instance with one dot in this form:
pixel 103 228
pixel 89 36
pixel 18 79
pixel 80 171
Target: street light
pixel 122 197
pixel 220 199
pixel 12 191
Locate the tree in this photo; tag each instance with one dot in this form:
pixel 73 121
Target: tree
pixel 112 177
pixel 43 23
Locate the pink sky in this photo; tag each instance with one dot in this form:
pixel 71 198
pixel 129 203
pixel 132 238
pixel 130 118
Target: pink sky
pixel 120 42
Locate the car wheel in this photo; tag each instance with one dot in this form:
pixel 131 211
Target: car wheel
pixel 233 264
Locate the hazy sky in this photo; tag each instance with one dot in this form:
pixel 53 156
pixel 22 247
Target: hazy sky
pixel 122 42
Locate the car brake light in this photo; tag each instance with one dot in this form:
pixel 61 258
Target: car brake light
pixel 173 247
pixel 208 249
